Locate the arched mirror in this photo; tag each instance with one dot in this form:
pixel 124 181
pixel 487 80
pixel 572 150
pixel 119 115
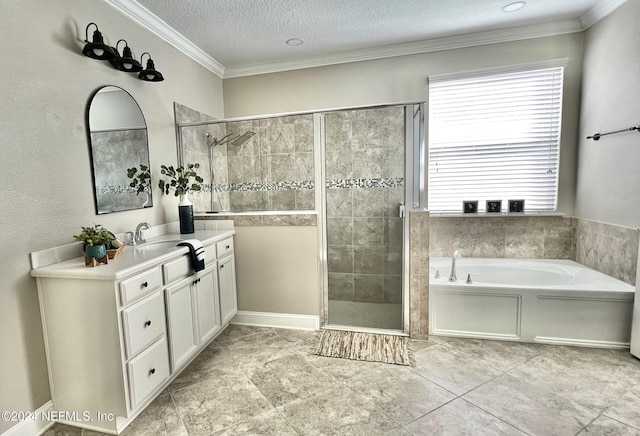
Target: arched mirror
pixel 118 141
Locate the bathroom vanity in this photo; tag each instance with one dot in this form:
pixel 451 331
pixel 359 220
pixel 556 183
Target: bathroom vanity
pixel 116 335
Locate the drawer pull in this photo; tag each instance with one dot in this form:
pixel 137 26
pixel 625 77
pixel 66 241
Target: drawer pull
pixel 145 284
pixel 228 246
pixel 148 323
pixel 152 371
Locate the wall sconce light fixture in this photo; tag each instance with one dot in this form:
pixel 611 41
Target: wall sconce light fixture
pixel 150 74
pixel 126 62
pixel 97 49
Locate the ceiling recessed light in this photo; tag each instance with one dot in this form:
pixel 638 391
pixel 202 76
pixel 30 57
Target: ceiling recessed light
pixel 294 42
pixel 512 7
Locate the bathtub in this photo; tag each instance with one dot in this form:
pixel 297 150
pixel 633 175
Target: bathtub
pixel 529 300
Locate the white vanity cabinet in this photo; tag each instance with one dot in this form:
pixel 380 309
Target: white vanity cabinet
pixel 193 314
pixel 116 335
pixel 106 344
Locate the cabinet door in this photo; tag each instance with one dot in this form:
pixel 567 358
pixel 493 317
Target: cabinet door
pixel 181 323
pixel 206 304
pixel 227 285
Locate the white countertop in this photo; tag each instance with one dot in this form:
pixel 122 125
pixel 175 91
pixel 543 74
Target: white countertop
pixel 131 260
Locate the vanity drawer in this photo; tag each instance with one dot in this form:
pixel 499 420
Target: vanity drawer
pixel 143 323
pixel 224 247
pixel 177 269
pixel 140 285
pixel 148 371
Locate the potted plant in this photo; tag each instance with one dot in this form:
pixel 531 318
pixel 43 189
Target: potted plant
pixel 181 181
pixel 95 239
pixel 141 181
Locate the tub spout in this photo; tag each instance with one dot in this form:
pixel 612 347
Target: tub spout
pixel 452 276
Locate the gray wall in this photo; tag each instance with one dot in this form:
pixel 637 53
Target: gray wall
pixel 45 167
pixel 608 175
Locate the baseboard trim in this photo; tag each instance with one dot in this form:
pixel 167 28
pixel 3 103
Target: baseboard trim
pixel 277 320
pixel 32 424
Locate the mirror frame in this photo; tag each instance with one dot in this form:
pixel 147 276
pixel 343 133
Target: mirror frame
pixel 103 206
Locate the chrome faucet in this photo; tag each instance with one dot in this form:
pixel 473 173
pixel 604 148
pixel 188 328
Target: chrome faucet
pixel 138 237
pixel 452 276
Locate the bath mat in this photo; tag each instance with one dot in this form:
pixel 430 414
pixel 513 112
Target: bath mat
pixel 369 347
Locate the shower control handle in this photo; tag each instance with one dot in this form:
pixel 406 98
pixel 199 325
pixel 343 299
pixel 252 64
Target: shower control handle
pixel 401 210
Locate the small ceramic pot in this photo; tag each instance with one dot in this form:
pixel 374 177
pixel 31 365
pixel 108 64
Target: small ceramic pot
pixel 96 251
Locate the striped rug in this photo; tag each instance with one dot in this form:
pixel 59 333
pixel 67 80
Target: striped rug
pixel 369 347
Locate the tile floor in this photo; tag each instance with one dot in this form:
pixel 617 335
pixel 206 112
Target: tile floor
pixel 264 381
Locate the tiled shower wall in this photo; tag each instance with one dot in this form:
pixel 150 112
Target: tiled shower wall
pixel 272 171
pixel 365 186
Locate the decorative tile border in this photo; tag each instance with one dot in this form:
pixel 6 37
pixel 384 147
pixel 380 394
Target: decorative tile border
pixel 304 185
pixel 115 189
pixel 390 182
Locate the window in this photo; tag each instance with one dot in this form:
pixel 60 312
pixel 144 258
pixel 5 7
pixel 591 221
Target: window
pixel 495 136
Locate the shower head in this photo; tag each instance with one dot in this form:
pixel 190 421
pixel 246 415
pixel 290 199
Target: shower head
pixel 228 139
pixel 241 139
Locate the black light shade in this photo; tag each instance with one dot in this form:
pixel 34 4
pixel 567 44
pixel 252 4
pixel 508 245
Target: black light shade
pixel 126 62
pixel 97 49
pixel 150 74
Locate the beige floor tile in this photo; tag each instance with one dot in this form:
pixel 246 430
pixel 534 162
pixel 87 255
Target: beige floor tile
pixel 604 426
pixel 400 393
pixel 627 408
pixel 460 418
pixel 529 408
pixel 268 423
pixel 216 405
pixel 453 371
pixel 159 418
pixel 289 378
pixel 336 411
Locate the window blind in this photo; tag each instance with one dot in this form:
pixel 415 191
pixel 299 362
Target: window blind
pixel 495 137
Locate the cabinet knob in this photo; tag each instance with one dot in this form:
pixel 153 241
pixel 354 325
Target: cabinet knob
pixel 145 284
pixel 152 371
pixel 148 323
pixel 221 266
pixel 228 246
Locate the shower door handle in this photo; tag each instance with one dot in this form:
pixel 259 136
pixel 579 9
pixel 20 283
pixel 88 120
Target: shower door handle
pixel 401 210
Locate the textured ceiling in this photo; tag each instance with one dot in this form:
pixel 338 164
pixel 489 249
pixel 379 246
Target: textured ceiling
pixel 242 33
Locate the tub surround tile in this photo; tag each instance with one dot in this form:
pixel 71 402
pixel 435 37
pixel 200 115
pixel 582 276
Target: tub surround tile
pixel 610 249
pixel 310 219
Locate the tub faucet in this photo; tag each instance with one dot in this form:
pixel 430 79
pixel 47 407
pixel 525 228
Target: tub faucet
pixel 452 276
pixel 139 237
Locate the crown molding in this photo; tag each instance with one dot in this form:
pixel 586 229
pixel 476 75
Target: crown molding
pixel 599 11
pixel 148 20
pixel 431 45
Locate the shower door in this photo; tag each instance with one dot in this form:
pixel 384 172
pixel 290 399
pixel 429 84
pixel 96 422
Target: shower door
pixel 365 194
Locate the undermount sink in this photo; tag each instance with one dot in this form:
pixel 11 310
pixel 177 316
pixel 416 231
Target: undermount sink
pixel 158 245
